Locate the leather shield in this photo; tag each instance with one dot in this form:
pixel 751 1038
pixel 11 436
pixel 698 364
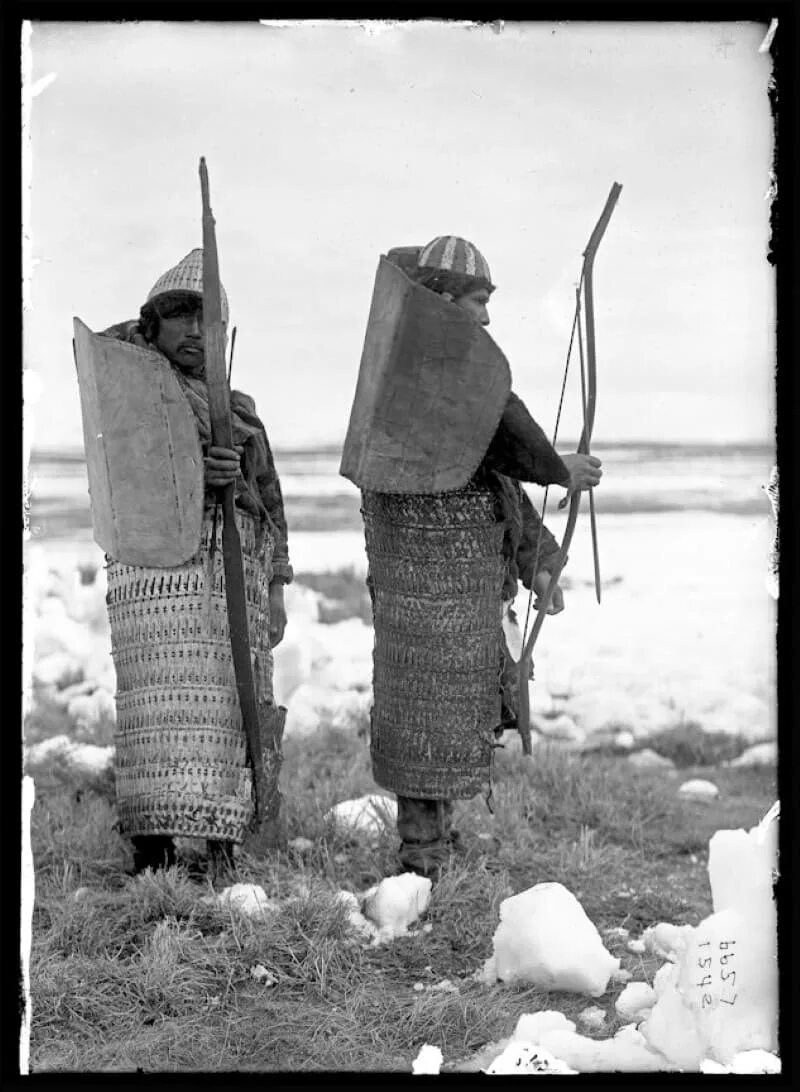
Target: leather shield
pixel 431 390
pixel 143 456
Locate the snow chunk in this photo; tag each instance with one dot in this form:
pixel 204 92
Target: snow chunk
pixel 57 632
pixel 429 1060
pixel 761 754
pixel 445 986
pixel 545 938
pixel 518 1058
pixel 561 727
pixel 743 714
pixel 396 902
pixel 666 940
pixel 733 1007
pixel 249 899
pixel 742 864
pixel 636 999
pixel 292 665
pixel 312 705
pixel 58 669
pixel 699 789
pixel 368 815
pixel 364 928
pixel 531 1026
pixel 627 1052
pixel 647 759
pixel 603 710
pixel 592 1017
pixel 747 1061
pixel 90 712
pixel 82 759
pixel 301 602
pixel 620 739
pixel 260 973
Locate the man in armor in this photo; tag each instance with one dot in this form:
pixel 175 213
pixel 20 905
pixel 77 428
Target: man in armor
pixel 439 444
pixel 181 766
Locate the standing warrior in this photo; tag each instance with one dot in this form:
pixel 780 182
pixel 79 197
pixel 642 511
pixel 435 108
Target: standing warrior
pixel 154 474
pixel 438 444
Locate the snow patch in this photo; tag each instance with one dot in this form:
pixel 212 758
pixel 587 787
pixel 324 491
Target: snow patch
pixel 635 1000
pixel 545 938
pixel 249 899
pixel 647 759
pixel 699 789
pixel 396 902
pixel 721 996
pixel 760 754
pixel 429 1060
pixel 369 815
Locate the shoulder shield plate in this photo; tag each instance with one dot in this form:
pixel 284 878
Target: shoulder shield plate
pixel 143 456
pixel 431 390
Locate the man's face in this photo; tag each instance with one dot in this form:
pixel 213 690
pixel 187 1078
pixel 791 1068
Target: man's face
pixel 476 303
pixel 181 337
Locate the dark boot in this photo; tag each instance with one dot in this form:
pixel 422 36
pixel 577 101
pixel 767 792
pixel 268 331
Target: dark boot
pixel 428 839
pixel 152 851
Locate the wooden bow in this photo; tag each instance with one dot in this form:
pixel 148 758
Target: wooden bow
pixel 588 399
pixel 222 436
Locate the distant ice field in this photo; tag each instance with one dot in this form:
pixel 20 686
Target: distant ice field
pixel 637 479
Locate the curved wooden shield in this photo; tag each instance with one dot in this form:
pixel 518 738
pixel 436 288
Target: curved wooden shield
pixel 143 455
pixel 431 390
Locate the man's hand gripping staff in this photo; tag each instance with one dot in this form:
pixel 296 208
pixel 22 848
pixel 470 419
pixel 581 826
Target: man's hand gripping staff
pixel 588 399
pixel 222 437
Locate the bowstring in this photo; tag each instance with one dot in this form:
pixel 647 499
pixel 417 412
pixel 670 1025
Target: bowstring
pixel 575 326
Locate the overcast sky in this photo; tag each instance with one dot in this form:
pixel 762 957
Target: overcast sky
pixel 329 144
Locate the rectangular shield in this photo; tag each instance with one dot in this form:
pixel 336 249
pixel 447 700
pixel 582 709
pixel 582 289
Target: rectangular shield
pixel 431 390
pixel 143 455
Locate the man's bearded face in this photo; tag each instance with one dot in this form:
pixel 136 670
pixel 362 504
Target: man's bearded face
pixel 181 336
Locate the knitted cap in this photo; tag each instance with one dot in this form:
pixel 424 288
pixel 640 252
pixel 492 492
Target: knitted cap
pixel 186 276
pixel 456 255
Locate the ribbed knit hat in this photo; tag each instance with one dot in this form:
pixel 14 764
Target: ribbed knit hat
pixel 455 255
pixel 186 276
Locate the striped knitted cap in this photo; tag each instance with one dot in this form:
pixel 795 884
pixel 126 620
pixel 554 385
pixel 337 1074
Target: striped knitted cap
pixel 186 276
pixel 455 255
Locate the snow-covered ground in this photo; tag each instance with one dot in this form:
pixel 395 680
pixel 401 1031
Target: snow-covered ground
pixel 686 630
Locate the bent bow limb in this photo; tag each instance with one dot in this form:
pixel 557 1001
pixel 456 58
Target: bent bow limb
pixel 587 280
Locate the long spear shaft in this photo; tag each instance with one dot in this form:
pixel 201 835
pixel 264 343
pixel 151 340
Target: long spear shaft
pixel 222 436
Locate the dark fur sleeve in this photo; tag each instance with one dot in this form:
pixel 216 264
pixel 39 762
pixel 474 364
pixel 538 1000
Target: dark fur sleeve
pixel 269 487
pixel 526 551
pixel 521 450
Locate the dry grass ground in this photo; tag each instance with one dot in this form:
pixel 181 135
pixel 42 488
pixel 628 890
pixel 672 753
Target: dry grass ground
pixel 141 974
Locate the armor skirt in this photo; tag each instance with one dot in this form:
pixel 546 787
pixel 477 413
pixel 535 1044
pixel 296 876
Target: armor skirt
pixel 436 576
pixel 180 744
